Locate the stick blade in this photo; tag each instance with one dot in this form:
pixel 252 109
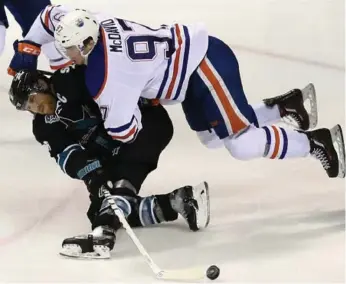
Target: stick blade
pixel 191 274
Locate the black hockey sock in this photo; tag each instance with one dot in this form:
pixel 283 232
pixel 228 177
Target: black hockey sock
pixel 145 211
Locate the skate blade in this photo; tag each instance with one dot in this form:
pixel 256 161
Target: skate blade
pixel 201 195
pixel 309 94
pixel 75 251
pixel 338 141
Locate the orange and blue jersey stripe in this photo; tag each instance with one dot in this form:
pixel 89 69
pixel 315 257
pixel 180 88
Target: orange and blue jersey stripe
pixel 234 119
pixel 175 73
pixel 46 20
pixel 277 142
pixel 125 133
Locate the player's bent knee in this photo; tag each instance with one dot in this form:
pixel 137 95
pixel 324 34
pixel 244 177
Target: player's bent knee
pixel 237 149
pixel 249 145
pixel 209 139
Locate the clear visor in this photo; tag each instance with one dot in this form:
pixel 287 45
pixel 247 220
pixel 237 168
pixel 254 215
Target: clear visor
pixel 71 52
pixel 68 52
pixel 26 105
pixel 40 87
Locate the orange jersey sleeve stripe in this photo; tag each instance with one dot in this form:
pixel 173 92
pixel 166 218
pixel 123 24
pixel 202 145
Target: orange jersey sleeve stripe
pixel 176 64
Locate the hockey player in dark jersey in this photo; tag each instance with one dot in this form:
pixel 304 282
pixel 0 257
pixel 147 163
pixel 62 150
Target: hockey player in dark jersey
pixel 70 123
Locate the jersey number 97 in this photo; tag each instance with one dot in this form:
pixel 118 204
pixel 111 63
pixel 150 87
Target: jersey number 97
pixel 143 47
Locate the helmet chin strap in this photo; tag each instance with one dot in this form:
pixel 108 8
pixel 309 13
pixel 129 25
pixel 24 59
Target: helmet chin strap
pixel 86 56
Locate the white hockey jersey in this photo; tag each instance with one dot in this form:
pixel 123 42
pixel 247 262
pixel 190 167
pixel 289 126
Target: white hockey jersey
pixel 131 61
pixel 40 28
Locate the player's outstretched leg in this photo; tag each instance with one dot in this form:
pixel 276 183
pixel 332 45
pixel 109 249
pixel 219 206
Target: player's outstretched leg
pixel 327 145
pixel 288 106
pixel 217 108
pixel 100 242
pixel 190 202
pixel 97 244
pixel 291 106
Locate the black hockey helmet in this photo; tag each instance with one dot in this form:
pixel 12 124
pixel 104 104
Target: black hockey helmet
pixel 24 84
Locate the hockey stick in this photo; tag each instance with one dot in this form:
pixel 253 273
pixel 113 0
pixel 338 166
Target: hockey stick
pixel 47 73
pixel 186 274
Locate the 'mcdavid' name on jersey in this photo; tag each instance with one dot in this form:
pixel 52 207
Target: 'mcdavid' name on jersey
pixel 113 34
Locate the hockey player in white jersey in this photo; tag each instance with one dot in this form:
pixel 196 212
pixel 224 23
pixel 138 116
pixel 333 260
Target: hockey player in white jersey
pixel 178 63
pixel 25 13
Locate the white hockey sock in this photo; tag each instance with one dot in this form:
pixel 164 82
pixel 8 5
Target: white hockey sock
pixel 270 142
pixel 266 115
pixel 285 143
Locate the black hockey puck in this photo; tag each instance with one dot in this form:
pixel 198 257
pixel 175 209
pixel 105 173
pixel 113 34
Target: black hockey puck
pixel 213 272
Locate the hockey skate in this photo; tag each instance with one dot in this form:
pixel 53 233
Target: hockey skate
pixel 192 203
pixel 291 106
pixel 327 145
pixel 97 244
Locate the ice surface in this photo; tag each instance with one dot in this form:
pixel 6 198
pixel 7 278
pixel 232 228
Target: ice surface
pixel 272 221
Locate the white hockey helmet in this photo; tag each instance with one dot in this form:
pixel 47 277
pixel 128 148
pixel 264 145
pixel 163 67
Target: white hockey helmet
pixel 76 27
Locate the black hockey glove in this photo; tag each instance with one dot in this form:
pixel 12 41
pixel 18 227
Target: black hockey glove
pixel 96 181
pixel 96 140
pixel 144 103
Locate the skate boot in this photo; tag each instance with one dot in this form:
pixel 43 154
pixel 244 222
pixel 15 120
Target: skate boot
pixel 327 145
pixel 291 106
pixel 97 244
pixel 192 203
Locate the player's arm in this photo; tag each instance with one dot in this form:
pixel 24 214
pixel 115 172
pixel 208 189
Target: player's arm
pixel 115 82
pixel 68 153
pixel 122 117
pixel 73 159
pixel 41 32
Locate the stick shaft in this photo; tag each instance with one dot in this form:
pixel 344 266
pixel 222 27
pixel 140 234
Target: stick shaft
pixel 118 212
pixel 47 73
